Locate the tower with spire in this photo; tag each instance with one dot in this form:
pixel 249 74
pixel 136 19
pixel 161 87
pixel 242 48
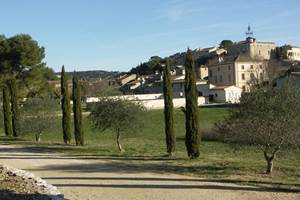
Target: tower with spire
pixel 249 34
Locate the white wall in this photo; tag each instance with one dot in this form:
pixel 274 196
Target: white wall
pixel 177 102
pixel 233 94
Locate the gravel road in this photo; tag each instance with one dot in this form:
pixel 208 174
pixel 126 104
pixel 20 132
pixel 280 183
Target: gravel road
pixel 115 179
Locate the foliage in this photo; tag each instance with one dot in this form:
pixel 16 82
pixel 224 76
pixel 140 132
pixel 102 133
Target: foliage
pixel 148 67
pixel 14 102
pixel 117 115
pixel 267 118
pixel 99 88
pixel 192 139
pixel 7 117
pixel 280 53
pixel 38 115
pixel 21 58
pixel 78 132
pixel 226 44
pixel 66 107
pixel 147 147
pixel 168 109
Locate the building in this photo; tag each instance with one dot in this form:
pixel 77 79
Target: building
pixel 127 78
pixel 292 52
pixel 203 72
pixel 252 48
pixel 225 94
pixel 240 71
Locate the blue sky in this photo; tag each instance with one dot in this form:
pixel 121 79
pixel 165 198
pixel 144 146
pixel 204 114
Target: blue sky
pixel 119 34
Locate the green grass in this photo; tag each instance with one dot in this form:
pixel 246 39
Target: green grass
pixel 147 147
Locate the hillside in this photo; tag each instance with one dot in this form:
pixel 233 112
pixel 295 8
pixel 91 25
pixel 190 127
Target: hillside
pixel 149 67
pixel 93 74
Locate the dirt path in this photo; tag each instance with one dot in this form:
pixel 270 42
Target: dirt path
pixel 113 179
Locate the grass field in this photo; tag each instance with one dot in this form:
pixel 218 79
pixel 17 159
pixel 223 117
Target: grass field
pixel 147 147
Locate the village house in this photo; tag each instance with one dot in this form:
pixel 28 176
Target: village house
pixel 225 94
pixel 292 52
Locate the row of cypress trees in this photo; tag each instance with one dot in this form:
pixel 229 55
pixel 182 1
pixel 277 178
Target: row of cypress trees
pixel 10 105
pixel 192 137
pixel 66 109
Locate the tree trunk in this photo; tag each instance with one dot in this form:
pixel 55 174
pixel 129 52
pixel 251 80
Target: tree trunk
pixel 118 142
pixel 269 159
pixel 38 137
pixel 269 166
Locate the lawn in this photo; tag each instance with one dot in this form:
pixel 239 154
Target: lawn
pixel 147 147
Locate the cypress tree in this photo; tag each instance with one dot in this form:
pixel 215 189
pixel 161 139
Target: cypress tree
pixel 7 112
pixel 192 138
pixel 78 132
pixel 14 107
pixel 65 106
pixel 168 109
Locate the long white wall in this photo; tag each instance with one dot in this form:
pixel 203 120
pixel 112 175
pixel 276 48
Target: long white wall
pixel 151 101
pixel 177 102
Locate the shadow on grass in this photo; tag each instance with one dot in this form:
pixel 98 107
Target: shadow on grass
pixel 10 195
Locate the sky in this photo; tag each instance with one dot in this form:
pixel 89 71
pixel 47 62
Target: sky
pixel 117 35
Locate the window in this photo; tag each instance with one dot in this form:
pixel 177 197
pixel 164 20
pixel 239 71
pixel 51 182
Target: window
pixel 228 67
pixel 210 73
pixel 260 66
pixel 218 68
pixel 243 76
pixel 251 66
pixel 261 75
pixel 244 88
pixel 216 79
pixel 221 79
pixel 181 85
pixel 252 77
pixel 259 52
pixel 216 94
pixel 229 77
pixel 243 67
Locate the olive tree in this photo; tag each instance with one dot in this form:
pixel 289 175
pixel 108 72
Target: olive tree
pixel 117 115
pixel 38 116
pixel 267 118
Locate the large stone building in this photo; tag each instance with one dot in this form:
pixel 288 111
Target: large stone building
pixel 239 71
pixel 252 48
pixel 245 63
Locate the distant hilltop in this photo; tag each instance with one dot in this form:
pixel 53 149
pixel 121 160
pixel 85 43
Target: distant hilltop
pixel 91 75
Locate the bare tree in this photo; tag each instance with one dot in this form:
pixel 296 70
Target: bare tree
pixel 266 118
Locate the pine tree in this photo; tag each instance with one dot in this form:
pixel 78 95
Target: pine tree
pixel 78 132
pixel 66 108
pixel 14 107
pixel 7 112
pixel 168 110
pixel 192 138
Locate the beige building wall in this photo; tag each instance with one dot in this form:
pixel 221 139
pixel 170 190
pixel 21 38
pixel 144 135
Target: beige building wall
pixel 203 72
pixel 294 53
pixel 221 74
pixel 250 72
pixel 252 48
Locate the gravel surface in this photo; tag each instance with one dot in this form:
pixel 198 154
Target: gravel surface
pixel 19 184
pixel 116 179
